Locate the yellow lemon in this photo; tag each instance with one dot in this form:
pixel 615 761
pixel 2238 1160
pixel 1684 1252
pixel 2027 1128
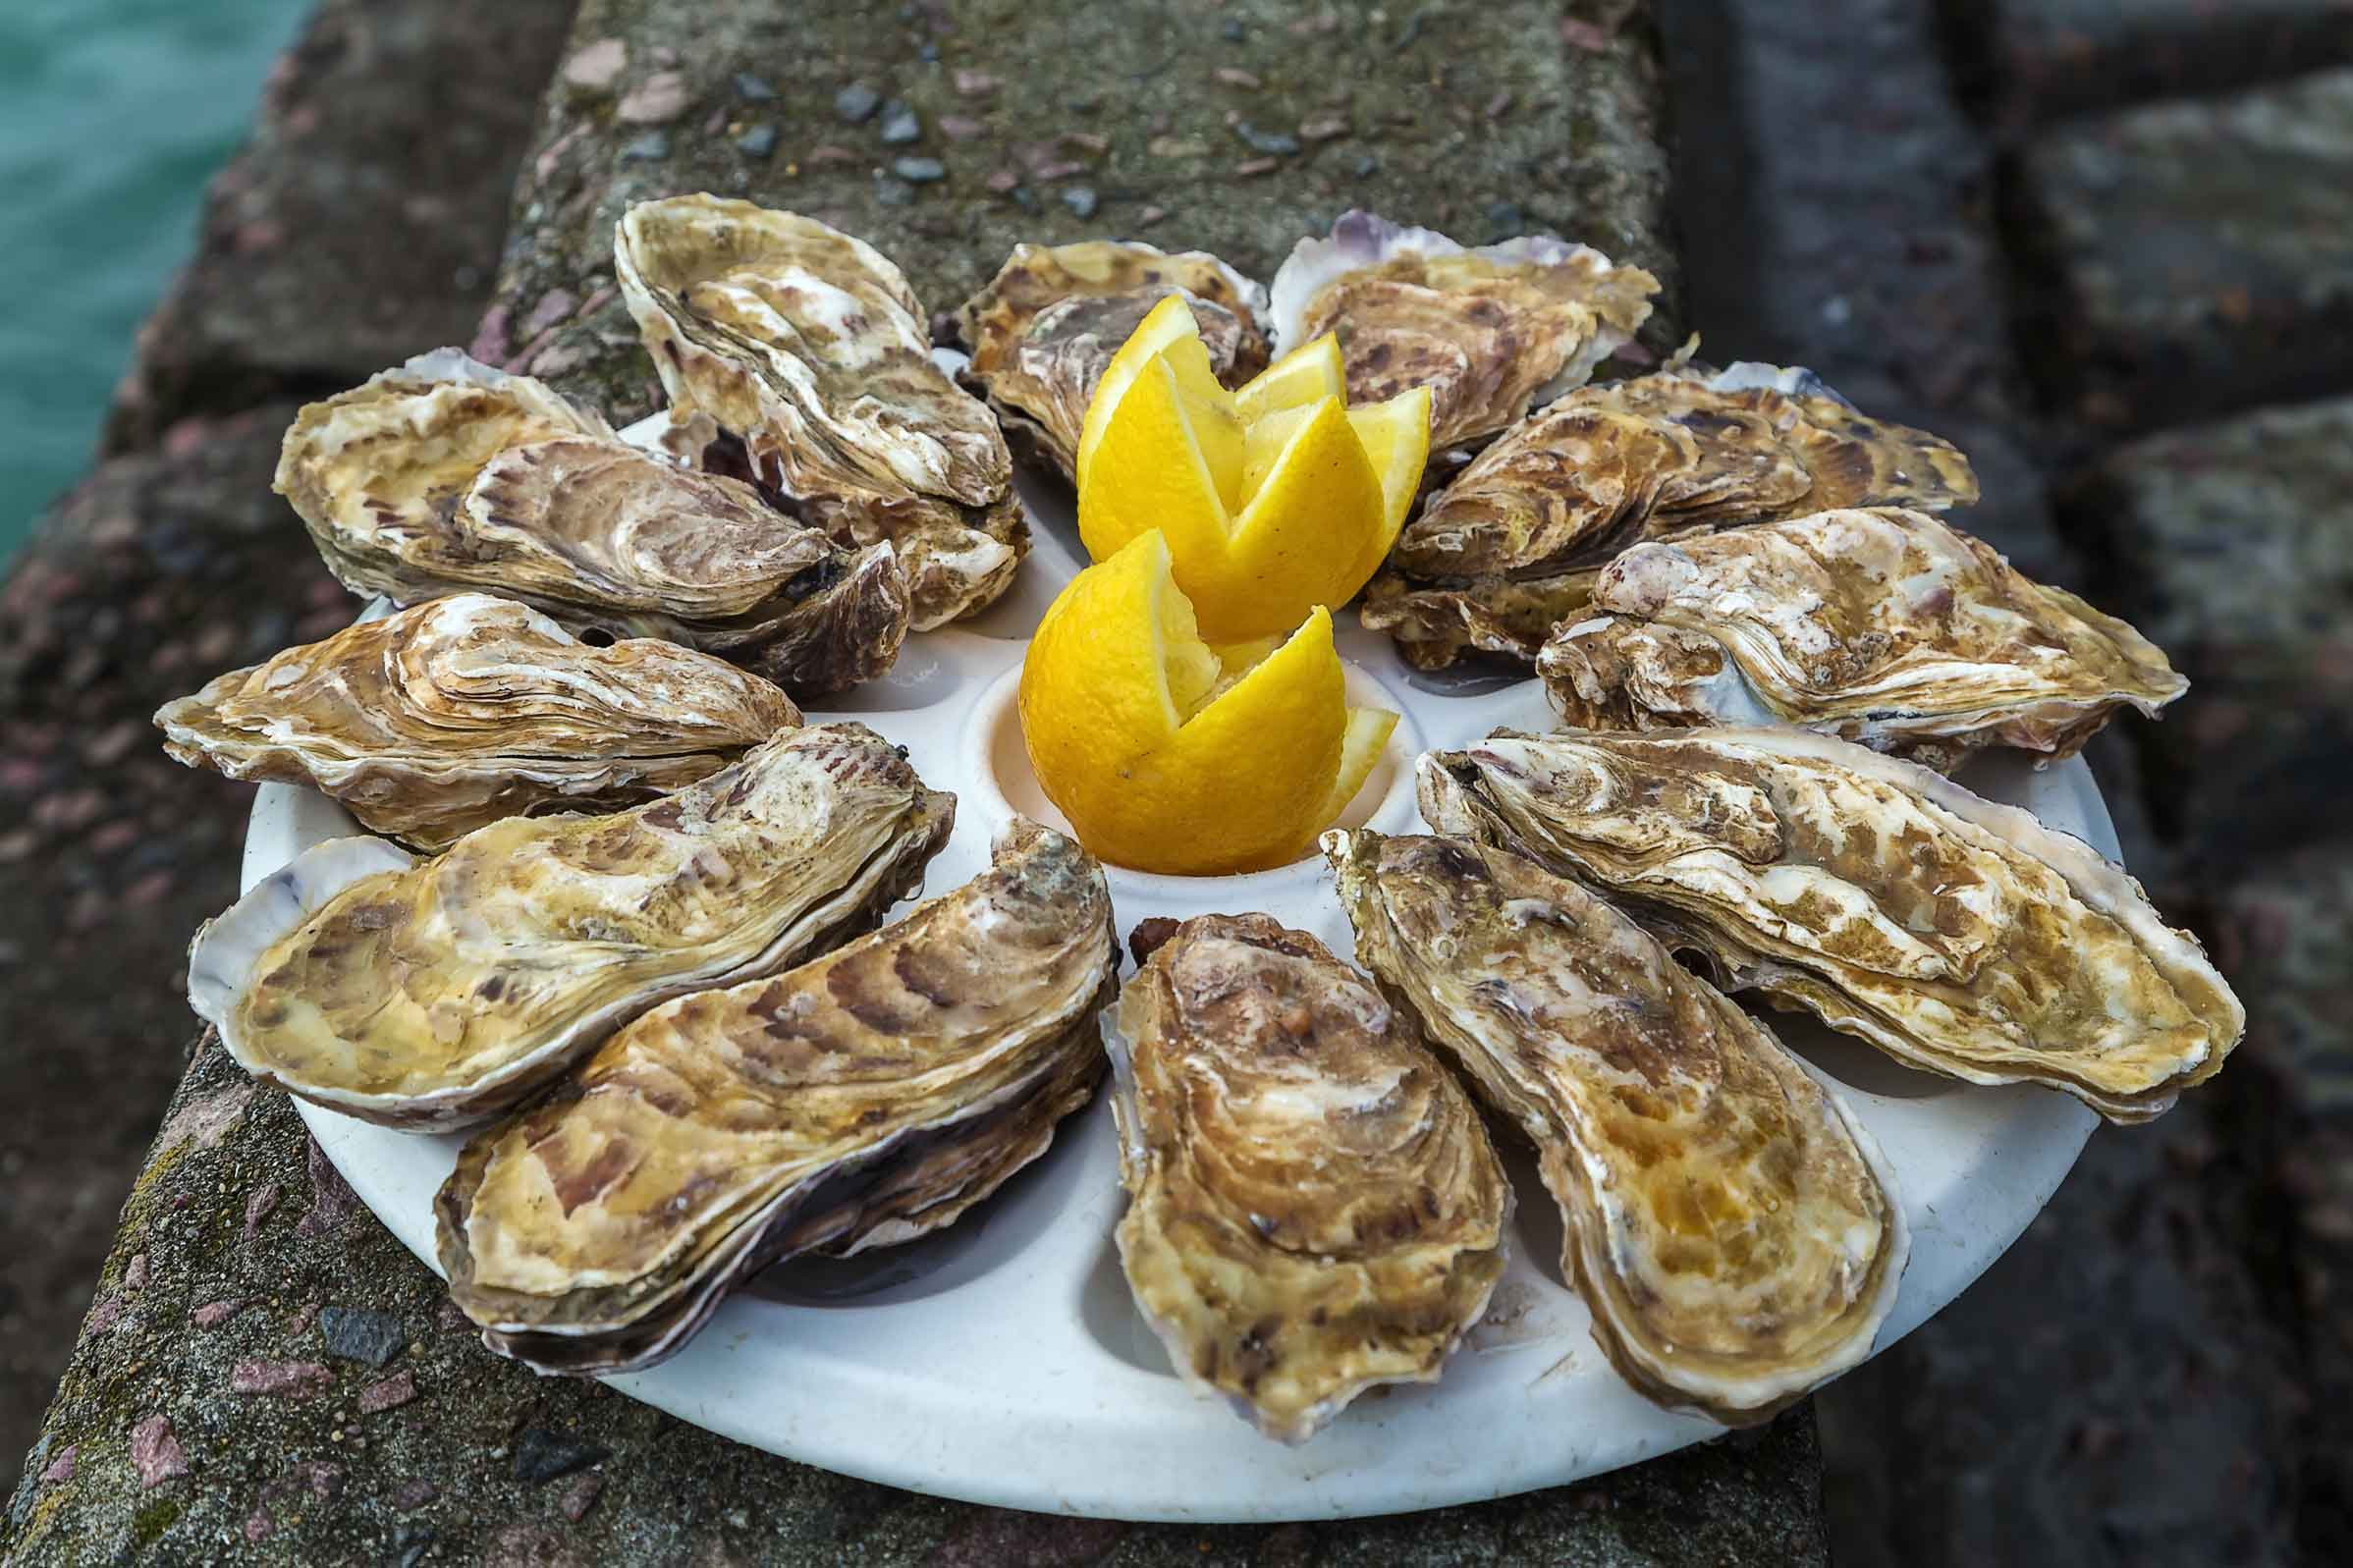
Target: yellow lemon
pixel 1274 498
pixel 1166 759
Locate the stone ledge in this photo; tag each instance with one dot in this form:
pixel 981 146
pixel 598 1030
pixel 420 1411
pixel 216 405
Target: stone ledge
pixel 360 224
pixel 214 1408
pixel 1067 120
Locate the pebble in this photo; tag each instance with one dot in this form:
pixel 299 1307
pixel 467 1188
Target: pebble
pixel 974 83
pixel 855 105
pixel 359 1334
pixel 134 1273
pixel 410 1546
pixel 295 1379
pixel 893 193
pixel 414 1493
pixel 1366 166
pixel 155 1452
pixel 1003 181
pixel 388 1394
pixel 214 1313
pixel 919 171
pixel 831 153
pixel 544 1453
pixel 900 125
pixel 259 1207
pixel 1325 129
pixel 598 65
pixel 1252 168
pixel 578 1497
pixel 1060 169
pixel 1080 200
pixel 960 128
pixel 62 1467
pixel 557 304
pixel 1506 219
pixel 1150 216
pixel 1234 31
pixel 104 1316
pixel 651 147
pixel 1177 146
pixel 754 89
pixel 756 141
pixel 929 54
pixel 1278 143
pixel 1237 76
pixel 1025 199
pixel 657 101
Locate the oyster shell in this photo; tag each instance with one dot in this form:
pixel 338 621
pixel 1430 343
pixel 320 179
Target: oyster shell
pixel 1314 1207
pixel 1882 626
pixel 457 712
pixel 1666 455
pixel 1492 332
pixel 428 993
pixel 863 1098
pixel 1730 1225
pixel 445 475
pixel 808 344
pixel 1042 330
pixel 1955 934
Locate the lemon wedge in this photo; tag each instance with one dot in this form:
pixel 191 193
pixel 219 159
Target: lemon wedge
pixel 1165 757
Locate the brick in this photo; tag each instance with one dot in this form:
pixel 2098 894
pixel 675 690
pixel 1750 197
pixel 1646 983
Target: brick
pixel 2036 60
pixel 2232 545
pixel 2195 258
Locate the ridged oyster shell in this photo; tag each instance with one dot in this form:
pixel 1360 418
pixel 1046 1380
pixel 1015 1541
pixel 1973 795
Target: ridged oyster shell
pixel 1314 1207
pixel 808 344
pixel 1882 626
pixel 1491 331
pixel 1041 331
pixel 1955 934
pixel 457 712
pixel 428 993
pixel 445 475
pixel 863 1099
pixel 1508 550
pixel 1731 1227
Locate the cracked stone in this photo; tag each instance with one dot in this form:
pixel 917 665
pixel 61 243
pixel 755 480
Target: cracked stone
pixel 546 1453
pixel 356 1333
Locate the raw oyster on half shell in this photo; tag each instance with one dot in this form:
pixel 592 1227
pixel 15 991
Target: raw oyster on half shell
pixel 457 712
pixel 863 1098
pixel 445 475
pixel 1509 549
pixel 1491 331
pixel 1041 331
pixel 1730 1225
pixel 1955 934
pixel 1882 626
pixel 807 345
pixel 428 993
pixel 1314 1207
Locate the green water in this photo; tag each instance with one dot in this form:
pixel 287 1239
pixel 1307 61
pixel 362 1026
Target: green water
pixel 113 114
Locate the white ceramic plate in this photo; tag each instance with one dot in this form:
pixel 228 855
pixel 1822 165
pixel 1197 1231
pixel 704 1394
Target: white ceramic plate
pixel 1002 1361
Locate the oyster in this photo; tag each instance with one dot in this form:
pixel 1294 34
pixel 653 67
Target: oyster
pixel 445 475
pixel 1882 626
pixel 1509 549
pixel 863 1098
pixel 432 993
pixel 457 712
pixel 1492 332
pixel 1729 1224
pixel 1955 934
pixel 1042 330
pixel 1314 1207
pixel 808 344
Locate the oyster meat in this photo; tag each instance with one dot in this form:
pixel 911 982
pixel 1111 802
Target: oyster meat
pixel 1491 331
pixel 1883 626
pixel 428 993
pixel 1955 934
pixel 1731 1227
pixel 863 1098
pixel 445 475
pixel 1042 330
pixel 1509 549
pixel 1314 1207
pixel 807 345
pixel 457 712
